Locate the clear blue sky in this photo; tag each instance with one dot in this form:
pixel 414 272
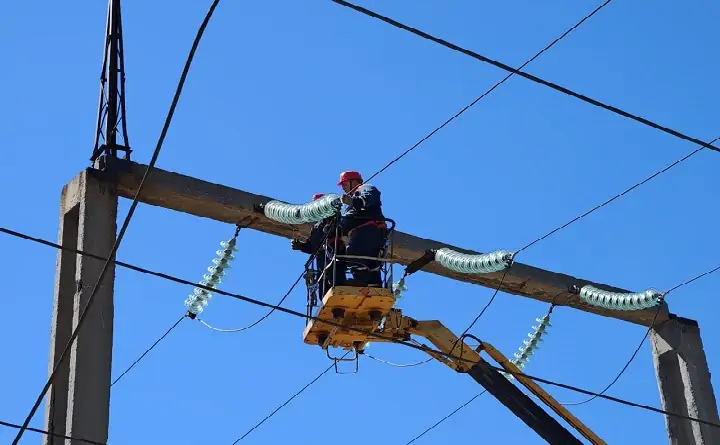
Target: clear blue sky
pixel 282 97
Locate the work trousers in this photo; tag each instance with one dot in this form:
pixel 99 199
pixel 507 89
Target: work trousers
pixel 366 241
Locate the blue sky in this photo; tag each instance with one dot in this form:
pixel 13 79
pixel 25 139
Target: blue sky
pixel 283 96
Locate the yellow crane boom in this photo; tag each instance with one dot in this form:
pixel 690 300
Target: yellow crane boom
pixel 366 308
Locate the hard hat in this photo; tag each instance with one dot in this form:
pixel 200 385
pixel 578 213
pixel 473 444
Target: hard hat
pixel 318 196
pixel 348 175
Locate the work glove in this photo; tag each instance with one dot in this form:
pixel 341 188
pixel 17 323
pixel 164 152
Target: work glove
pixel 296 244
pixel 347 199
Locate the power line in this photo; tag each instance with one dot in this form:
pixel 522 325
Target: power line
pixel 622 371
pixel 486 93
pixel 264 317
pixel 446 417
pixel 48 433
pixel 147 351
pixel 627 364
pixel 418 347
pixel 619 195
pixel 285 403
pixel 531 77
pixel 527 62
pixel 647 333
pixel 579 217
pixel 126 223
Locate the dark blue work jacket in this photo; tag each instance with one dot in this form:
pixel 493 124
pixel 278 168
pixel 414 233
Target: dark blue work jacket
pixel 365 210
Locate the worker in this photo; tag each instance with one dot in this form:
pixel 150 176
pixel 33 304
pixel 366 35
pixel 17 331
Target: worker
pixel 323 257
pixel 363 222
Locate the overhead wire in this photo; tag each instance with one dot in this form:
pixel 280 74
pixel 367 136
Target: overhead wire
pixel 126 223
pixel 617 196
pixel 142 356
pixel 523 74
pixel 446 417
pixel 627 364
pixel 583 215
pixel 135 201
pixel 647 333
pixel 418 347
pixel 463 110
pixel 490 90
pixel 285 403
pixel 48 433
pixel 287 294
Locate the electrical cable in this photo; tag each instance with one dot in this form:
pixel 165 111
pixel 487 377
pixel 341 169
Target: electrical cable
pixel 411 345
pixel 531 77
pixel 48 433
pixel 619 195
pixel 288 401
pixel 497 84
pixel 624 368
pixel 627 364
pixel 147 351
pixel 647 333
pixel 125 224
pixel 261 319
pixel 396 365
pixel 486 93
pixel 579 217
pixel 446 417
pixel 287 294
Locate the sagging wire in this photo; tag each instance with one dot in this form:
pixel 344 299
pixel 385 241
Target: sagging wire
pixel 634 354
pixel 282 300
pixel 317 210
pixel 397 365
pixel 428 350
pixel 624 368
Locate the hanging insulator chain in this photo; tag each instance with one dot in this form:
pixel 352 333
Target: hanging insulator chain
pixel 532 344
pixel 199 299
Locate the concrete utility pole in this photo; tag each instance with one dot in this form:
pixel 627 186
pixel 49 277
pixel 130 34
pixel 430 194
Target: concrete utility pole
pixel 684 381
pixel 78 404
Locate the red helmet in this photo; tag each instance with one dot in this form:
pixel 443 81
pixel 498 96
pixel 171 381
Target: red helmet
pixel 349 175
pixel 318 196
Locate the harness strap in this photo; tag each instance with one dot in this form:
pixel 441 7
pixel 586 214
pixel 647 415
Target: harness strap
pixel 379 224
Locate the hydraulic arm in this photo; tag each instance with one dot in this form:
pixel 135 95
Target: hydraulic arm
pixel 365 308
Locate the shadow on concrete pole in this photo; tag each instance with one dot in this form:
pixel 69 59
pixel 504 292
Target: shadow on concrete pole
pixel 684 382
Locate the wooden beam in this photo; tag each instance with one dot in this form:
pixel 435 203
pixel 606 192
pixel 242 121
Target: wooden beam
pixel 205 199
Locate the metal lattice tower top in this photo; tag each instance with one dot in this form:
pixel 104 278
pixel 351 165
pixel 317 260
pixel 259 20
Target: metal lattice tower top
pixel 111 109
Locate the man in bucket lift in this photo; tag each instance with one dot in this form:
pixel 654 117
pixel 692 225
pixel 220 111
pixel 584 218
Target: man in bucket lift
pixel 314 244
pixel 364 224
